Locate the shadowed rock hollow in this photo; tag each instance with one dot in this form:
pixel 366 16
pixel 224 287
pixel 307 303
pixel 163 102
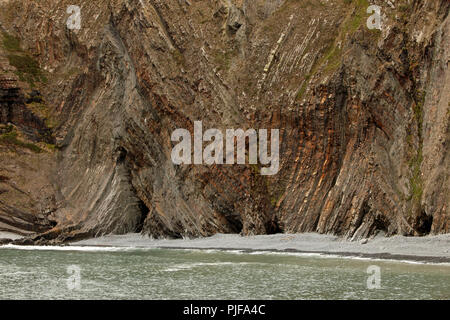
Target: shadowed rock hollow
pixel 363 117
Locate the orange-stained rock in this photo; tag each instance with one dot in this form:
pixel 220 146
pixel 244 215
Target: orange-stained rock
pixel 363 115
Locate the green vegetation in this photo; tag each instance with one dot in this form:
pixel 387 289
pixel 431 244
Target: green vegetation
pixel 178 57
pixel 274 198
pixel 71 72
pixel 223 59
pixel 51 147
pixel 332 55
pixel 329 62
pixel 302 90
pixel 6 128
pixel 333 58
pixel 11 43
pixel 415 182
pixel 11 139
pixel 304 3
pixel 28 69
pixel 43 111
pixel 418 111
pixel 352 23
pixel 404 7
pixel 255 168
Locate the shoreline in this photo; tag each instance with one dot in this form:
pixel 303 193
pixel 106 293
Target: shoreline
pixel 323 254
pixel 428 249
pixel 368 256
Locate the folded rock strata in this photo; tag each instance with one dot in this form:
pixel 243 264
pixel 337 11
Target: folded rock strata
pixel 363 117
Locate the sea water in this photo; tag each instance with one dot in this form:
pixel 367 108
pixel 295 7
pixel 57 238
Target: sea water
pixel 132 273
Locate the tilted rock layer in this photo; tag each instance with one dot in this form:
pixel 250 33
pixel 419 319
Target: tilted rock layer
pixel 363 116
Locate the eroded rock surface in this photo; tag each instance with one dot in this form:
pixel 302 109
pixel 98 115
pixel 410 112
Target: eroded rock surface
pixel 363 116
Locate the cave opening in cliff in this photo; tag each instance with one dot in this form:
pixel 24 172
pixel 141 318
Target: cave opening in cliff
pixel 424 223
pixel 381 224
pixel 274 226
pixel 121 154
pixel 144 210
pixel 233 221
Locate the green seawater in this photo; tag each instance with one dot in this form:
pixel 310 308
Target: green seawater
pixel 113 273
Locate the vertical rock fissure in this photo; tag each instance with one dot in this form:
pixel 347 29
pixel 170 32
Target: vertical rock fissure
pixel 144 214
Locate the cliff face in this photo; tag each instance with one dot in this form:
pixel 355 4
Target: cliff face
pixel 363 116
